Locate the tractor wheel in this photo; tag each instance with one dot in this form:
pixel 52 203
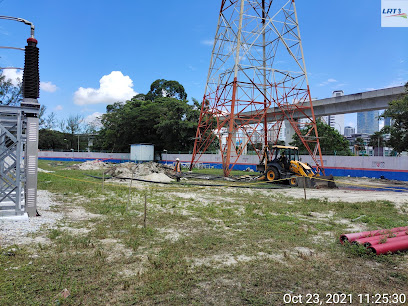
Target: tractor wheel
pixel 272 175
pixel 293 181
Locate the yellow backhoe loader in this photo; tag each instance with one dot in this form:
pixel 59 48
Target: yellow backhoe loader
pixel 282 164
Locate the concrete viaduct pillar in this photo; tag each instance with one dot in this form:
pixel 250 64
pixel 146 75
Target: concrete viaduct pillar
pixel 289 132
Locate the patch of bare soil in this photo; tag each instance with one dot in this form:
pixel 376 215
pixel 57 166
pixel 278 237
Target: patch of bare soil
pixel 221 289
pixel 171 234
pixel 115 249
pixel 136 268
pixel 351 196
pixel 79 214
pixel 34 230
pixel 316 217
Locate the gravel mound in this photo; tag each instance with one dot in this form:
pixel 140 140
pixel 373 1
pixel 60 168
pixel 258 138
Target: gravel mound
pixel 17 232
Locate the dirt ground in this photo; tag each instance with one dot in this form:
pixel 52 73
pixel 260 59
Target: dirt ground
pixel 347 195
pixel 182 243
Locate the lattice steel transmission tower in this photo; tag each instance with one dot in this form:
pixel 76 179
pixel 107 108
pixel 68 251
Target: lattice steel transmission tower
pixel 256 81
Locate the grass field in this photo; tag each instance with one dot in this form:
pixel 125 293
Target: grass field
pixel 201 245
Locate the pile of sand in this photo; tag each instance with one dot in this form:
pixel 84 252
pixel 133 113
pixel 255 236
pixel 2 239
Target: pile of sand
pixel 157 177
pixel 92 165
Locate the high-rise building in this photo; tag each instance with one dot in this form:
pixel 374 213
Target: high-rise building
pixel 336 121
pixel 349 130
pixel 388 121
pixel 367 122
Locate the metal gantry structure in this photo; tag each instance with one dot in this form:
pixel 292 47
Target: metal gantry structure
pixel 19 139
pixel 257 64
pixel 15 150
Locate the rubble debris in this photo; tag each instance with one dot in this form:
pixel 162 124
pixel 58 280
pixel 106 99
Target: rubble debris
pixel 143 169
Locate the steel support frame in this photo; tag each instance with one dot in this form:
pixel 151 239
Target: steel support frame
pixel 16 157
pixel 257 63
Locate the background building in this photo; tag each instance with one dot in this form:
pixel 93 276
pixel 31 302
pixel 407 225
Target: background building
pixel 367 122
pixel 336 121
pixel 349 130
pixel 388 121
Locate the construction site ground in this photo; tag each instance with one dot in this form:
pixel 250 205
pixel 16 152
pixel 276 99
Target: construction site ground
pixel 197 244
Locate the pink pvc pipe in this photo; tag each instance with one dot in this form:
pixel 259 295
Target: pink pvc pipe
pixel 381 239
pixel 401 244
pixel 354 236
pixel 377 239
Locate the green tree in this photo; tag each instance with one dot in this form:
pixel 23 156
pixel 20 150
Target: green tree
pixel 71 126
pixel 163 88
pixel 52 140
pixel 398 111
pixel 46 122
pixel 377 141
pixel 9 93
pixel 359 144
pixel 168 123
pixel 331 141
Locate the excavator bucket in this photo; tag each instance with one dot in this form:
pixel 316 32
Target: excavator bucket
pixel 316 182
pixel 324 181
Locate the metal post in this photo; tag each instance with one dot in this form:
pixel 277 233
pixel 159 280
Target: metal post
pixel 19 158
pixel 231 128
pixel 265 122
pixel 31 165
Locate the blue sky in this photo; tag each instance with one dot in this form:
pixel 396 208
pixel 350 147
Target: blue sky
pixel 82 42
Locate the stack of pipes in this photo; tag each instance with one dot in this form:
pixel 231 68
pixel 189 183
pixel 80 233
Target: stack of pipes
pixel 380 241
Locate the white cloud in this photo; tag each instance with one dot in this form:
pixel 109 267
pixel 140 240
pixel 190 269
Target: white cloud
pixel 114 87
pixel 48 86
pixel 94 119
pixel 329 81
pixel 14 75
pixel 207 42
pixel 58 108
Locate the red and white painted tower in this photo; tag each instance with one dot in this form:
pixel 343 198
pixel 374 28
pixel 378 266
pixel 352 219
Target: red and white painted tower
pixel 256 81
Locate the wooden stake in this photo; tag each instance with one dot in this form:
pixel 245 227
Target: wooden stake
pixel 304 186
pixel 130 187
pixel 103 180
pixel 145 210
